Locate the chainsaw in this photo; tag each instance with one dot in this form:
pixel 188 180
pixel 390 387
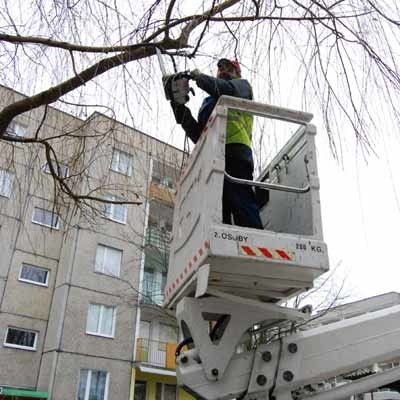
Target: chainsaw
pixel 176 85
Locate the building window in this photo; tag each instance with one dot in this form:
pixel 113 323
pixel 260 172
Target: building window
pixel 140 390
pixel 108 260
pixel 164 174
pixel 6 181
pixel 93 385
pixel 144 329
pixel 165 182
pixel 20 338
pixel 115 212
pixel 101 320
pixel 17 129
pixel 168 333
pixel 165 391
pixel 121 162
pixel 32 274
pixel 46 218
pixel 61 170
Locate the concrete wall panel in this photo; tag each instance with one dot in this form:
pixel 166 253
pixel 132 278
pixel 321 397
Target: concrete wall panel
pixel 39 239
pixel 8 232
pixel 55 324
pixel 84 273
pixel 20 367
pixel 27 298
pixel 68 371
pixel 76 340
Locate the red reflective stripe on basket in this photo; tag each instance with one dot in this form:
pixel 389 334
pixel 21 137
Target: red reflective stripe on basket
pixel 179 280
pixel 283 254
pixel 265 252
pixel 248 251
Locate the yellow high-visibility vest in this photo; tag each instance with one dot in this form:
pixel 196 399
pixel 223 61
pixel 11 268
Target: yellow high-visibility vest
pixel 239 127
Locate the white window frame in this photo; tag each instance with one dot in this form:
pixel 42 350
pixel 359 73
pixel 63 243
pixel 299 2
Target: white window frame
pixel 115 162
pixel 101 320
pixel 15 128
pixel 57 226
pixel 17 346
pixel 46 169
pixel 102 271
pixel 3 174
pixel 46 284
pixel 109 215
pixel 89 381
pixel 167 183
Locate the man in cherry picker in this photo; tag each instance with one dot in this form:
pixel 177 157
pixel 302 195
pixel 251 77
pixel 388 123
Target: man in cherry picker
pixel 237 200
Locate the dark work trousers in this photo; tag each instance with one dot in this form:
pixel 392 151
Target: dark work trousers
pixel 239 200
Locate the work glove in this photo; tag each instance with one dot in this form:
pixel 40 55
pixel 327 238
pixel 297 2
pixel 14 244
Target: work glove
pixel 195 74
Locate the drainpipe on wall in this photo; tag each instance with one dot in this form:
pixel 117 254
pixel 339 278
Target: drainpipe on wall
pixel 141 275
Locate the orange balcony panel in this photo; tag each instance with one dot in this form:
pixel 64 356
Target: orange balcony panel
pixel 170 356
pixel 161 193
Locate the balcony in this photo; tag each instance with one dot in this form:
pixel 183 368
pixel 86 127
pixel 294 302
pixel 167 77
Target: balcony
pixel 153 287
pixel 158 239
pixel 155 265
pixel 161 192
pixel 155 353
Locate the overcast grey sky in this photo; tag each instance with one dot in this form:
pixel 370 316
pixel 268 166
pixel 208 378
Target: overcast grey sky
pixel 360 197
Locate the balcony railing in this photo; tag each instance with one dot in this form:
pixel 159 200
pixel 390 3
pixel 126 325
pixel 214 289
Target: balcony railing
pixel 153 289
pixel 155 237
pixel 155 353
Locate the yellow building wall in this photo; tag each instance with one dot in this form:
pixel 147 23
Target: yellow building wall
pixel 152 380
pixel 132 388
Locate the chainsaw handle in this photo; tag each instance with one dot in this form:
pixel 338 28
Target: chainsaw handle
pixel 184 74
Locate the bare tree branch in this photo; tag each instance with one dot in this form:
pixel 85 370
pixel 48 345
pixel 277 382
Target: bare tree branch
pixel 168 17
pixel 69 46
pixel 328 37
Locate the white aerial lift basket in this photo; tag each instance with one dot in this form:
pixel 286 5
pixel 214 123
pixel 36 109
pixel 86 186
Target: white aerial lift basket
pixel 269 265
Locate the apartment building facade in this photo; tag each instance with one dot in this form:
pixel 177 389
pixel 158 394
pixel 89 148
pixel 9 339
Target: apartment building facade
pixel 157 336
pixel 71 276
